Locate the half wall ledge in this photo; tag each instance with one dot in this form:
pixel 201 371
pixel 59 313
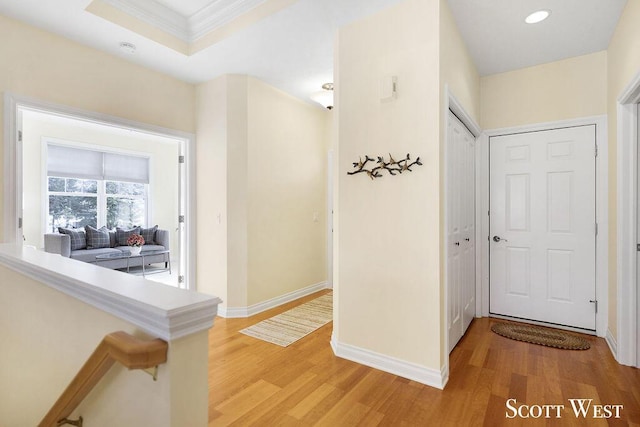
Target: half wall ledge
pixel 160 310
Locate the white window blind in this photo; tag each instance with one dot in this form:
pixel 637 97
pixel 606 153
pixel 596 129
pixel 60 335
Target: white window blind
pixel 120 167
pixel 71 162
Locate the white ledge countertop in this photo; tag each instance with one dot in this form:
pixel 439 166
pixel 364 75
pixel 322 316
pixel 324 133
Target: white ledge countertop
pixel 160 310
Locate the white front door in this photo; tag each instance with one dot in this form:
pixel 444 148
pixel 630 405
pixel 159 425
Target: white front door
pixel 543 226
pixel 461 292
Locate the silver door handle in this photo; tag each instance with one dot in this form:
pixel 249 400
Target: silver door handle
pixel 498 239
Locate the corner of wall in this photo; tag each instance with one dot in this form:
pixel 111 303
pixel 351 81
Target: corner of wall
pixel 611 342
pixel 427 376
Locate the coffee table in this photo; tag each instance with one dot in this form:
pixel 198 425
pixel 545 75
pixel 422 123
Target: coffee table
pixel 128 256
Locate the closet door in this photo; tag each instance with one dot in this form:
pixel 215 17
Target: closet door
pixel 468 218
pixel 460 229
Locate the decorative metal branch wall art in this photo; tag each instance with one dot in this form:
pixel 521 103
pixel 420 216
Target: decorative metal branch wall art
pixel 392 166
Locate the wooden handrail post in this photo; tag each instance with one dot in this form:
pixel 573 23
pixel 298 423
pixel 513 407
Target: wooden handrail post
pixel 121 347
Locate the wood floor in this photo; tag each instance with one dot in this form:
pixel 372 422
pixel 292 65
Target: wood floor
pixel 256 383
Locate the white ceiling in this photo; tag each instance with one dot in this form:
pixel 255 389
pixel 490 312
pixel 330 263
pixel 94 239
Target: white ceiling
pixel 293 48
pixel 499 40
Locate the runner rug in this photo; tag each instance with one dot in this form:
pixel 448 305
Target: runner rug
pixel 543 336
pixel 288 327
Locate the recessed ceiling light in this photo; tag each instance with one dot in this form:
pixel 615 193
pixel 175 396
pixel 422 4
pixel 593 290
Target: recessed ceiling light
pixel 538 16
pixel 127 47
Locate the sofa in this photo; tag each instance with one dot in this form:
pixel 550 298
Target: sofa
pixel 85 245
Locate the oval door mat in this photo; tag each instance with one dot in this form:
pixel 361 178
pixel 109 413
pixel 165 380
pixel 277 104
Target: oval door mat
pixel 543 336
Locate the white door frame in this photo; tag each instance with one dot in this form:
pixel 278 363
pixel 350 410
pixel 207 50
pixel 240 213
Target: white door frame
pixel 330 169
pixel 13 166
pixel 451 103
pixel 602 205
pixel 627 347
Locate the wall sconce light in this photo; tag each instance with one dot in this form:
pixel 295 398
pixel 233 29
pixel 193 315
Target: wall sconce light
pixel 325 96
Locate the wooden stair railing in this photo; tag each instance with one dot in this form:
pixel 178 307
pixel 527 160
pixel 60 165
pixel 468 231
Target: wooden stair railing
pixel 120 347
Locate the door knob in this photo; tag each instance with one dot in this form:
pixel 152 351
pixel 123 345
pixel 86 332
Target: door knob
pixel 498 239
pixel 457 243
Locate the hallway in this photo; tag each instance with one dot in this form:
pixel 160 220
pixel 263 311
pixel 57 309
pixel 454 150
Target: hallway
pixel 255 383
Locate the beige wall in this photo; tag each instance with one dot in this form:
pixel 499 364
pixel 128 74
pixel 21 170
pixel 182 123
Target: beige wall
pixel 48 67
pixel 47 336
pixel 287 193
pixel 211 148
pixel 237 192
pixel 163 187
pixel 388 274
pixel 264 171
pixel 567 89
pixel 623 64
pixel 457 69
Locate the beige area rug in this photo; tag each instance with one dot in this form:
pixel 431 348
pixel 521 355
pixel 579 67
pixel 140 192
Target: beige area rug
pixel 288 327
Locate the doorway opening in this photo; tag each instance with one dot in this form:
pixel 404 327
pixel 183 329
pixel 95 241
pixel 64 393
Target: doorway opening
pixel 33 198
pixel 597 123
pixel 543 226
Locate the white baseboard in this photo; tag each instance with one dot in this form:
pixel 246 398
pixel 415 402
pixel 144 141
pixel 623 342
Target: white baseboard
pixel 613 345
pixel 241 312
pixel 431 377
pixel 232 312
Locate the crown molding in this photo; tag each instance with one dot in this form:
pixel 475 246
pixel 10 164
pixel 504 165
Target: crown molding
pixel 217 14
pixel 187 28
pixel 155 14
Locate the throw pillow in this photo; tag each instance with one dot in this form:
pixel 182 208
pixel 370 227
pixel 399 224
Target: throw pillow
pixel 97 238
pixel 78 239
pixel 149 234
pixel 122 235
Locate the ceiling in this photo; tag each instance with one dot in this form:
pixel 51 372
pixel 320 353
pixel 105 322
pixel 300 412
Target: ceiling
pixel 499 40
pixel 291 47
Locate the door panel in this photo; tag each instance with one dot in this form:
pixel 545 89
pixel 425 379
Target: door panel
pixel 518 201
pixel 460 229
pixel 518 266
pixel 453 233
pixel 542 212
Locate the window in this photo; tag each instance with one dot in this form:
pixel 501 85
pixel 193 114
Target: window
pixel 87 187
pixel 126 204
pixel 73 203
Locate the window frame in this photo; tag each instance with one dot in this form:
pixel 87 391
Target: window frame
pixel 102 186
pixel 101 183
pixel 70 194
pixel 101 196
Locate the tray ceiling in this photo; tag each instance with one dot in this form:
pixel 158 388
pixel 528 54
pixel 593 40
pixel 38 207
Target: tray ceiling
pixel 289 43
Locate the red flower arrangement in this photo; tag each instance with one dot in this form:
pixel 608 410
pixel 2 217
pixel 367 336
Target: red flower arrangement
pixel 135 240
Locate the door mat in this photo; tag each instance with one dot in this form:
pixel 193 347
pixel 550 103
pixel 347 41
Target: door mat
pixel 542 336
pixel 288 327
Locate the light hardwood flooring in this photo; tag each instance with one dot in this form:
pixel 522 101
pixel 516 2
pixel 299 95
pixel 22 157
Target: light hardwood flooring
pixel 256 383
